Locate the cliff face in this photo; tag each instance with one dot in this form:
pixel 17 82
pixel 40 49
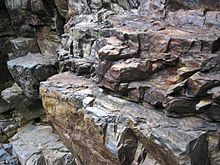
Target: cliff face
pixel 141 82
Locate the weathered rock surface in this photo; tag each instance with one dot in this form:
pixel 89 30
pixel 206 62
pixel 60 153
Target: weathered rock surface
pixel 162 53
pixel 28 71
pixel 146 53
pixel 23 108
pixel 104 129
pixel 22 46
pixel 6 155
pixel 37 144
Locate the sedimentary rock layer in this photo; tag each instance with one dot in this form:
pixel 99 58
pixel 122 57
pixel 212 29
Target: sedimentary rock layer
pixel 104 129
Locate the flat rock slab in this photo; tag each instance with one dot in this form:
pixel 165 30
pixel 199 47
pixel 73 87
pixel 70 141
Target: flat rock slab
pixel 28 71
pixel 103 129
pixel 37 144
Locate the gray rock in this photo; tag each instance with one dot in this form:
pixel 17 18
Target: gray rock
pixel 28 71
pixel 24 109
pixel 8 127
pixel 6 156
pixel 37 144
pixel 22 46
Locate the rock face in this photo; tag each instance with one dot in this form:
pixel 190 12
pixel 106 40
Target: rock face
pixel 143 88
pixel 164 53
pixel 104 129
pixel 39 145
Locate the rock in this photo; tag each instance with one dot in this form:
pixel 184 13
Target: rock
pixel 24 109
pixel 48 41
pixel 200 83
pixel 116 131
pixel 215 93
pixel 117 49
pixel 185 72
pixel 180 105
pixel 213 111
pixel 187 18
pixel 28 71
pixel 6 33
pixel 6 156
pixel 22 46
pixel 37 144
pixel 131 69
pixel 203 104
pixel 8 127
pixel 188 4
pixel 212 19
pixel 28 15
pixel 62 7
pixel 154 97
pixel 4 106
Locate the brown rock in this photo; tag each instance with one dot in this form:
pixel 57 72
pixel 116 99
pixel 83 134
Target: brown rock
pixel 131 69
pixel 115 131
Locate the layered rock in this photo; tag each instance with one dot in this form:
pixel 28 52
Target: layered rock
pixel 104 129
pixel 162 55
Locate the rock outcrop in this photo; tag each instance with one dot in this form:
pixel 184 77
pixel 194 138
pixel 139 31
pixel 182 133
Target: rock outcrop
pixel 141 81
pixel 104 129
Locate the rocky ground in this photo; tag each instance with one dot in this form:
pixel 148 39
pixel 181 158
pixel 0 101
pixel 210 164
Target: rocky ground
pixel 120 81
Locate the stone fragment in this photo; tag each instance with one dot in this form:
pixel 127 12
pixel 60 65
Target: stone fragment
pixel 215 92
pixel 116 49
pixel 213 112
pixel 24 109
pixel 101 67
pixel 37 144
pixel 62 7
pixel 28 71
pixel 22 46
pixel 8 127
pixel 131 69
pixel 200 83
pixel 188 4
pixel 48 41
pixel 180 105
pixel 203 104
pixel 6 156
pixel 177 89
pixel 185 72
pixel 213 19
pixel 154 97
pixel 188 18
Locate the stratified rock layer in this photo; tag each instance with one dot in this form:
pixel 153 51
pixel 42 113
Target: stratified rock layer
pixel 104 129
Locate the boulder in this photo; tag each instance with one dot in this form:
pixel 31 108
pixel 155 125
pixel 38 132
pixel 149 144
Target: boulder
pixel 23 109
pixel 22 46
pixel 28 71
pixel 37 144
pixel 131 69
